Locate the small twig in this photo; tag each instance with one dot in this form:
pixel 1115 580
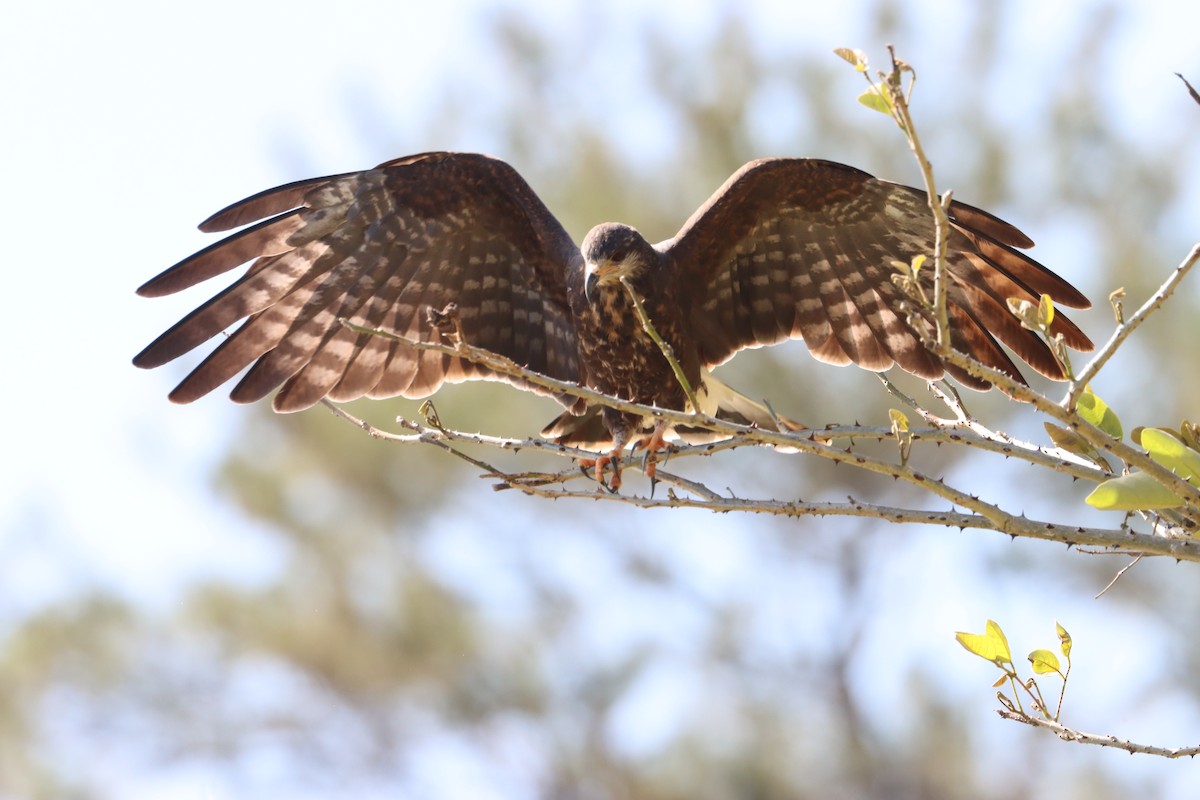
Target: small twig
pixel 663 345
pixel 1117 577
pixel 1100 740
pixel 969 432
pixel 1195 95
pixel 1122 332
pixel 937 205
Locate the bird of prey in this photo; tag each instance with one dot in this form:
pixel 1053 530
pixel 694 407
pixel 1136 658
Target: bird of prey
pixel 786 248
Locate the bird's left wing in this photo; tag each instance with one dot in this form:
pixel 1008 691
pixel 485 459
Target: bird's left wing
pixel 804 248
pixel 381 248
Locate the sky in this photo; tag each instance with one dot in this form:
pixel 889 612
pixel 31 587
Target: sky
pixel 128 123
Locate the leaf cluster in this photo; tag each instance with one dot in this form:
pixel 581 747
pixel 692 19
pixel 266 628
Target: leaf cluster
pixel 992 645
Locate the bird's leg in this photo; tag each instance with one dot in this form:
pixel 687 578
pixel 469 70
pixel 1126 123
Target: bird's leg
pixel 621 430
pixel 653 444
pixel 620 433
pixel 614 458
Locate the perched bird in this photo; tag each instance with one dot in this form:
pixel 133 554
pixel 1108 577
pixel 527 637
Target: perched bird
pixel 786 248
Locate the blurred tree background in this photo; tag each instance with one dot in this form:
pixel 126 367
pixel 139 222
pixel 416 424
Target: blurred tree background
pixel 423 636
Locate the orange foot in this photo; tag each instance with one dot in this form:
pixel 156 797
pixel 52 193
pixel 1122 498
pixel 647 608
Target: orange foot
pixel 596 467
pixel 653 444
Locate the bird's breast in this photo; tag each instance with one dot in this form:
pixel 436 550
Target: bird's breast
pixel 622 359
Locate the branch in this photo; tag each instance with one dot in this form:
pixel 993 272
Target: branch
pixel 1094 436
pixel 984 516
pixel 969 432
pixel 1122 332
pixel 663 346
pixel 1100 740
pixel 937 206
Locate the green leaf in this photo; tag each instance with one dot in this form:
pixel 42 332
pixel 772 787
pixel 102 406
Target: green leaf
pixel 1064 639
pixel 990 646
pixel 1044 662
pixel 1168 450
pixel 877 99
pixel 1133 492
pixel 1045 315
pixel 1097 412
pixel 993 629
pixel 899 420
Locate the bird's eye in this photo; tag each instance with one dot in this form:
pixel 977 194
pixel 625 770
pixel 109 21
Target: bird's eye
pixel 619 256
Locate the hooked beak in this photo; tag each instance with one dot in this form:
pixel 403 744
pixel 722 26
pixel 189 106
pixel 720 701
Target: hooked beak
pixel 592 279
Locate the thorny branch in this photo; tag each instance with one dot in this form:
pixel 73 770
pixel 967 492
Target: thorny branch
pixel 978 512
pixel 1123 330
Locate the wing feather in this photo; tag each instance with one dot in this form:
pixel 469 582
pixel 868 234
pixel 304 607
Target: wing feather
pixel 805 248
pixel 380 248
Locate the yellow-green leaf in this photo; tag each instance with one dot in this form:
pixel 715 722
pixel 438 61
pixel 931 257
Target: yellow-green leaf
pixel 1132 492
pixel 1044 662
pixel 990 646
pixel 877 99
pixel 993 629
pixel 1097 412
pixel 1064 639
pixel 899 420
pixel 1170 451
pixel 1045 314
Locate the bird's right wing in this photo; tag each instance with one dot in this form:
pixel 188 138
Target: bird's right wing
pixel 381 248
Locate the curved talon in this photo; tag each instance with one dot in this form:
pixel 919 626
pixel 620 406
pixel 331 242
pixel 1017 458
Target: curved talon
pixel 653 444
pixel 595 467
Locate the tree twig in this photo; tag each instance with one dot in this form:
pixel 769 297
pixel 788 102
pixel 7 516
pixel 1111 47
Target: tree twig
pixel 938 205
pixel 1100 740
pixel 663 345
pixel 1122 332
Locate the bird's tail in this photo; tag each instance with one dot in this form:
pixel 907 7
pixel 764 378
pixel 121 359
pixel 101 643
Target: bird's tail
pixel 587 430
pixel 726 403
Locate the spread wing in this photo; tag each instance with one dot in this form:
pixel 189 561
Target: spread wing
pixel 381 248
pixel 803 248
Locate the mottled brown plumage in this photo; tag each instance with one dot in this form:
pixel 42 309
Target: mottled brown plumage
pixel 787 248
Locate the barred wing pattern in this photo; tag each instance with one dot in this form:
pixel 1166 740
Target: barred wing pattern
pixel 803 248
pixel 380 248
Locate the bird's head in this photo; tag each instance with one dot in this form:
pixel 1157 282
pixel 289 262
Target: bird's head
pixel 610 252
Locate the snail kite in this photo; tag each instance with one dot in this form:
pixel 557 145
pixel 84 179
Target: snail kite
pixel 787 248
